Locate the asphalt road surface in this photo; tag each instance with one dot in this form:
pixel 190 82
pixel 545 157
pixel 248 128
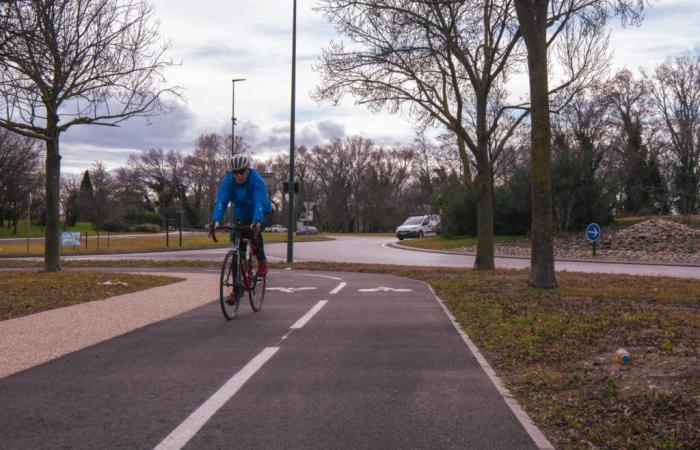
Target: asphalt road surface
pixel 376 250
pixel 332 361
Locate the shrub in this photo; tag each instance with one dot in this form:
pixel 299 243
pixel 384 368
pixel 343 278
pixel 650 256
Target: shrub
pixel 147 228
pixel 114 226
pixel 512 210
pixel 143 216
pixel 457 208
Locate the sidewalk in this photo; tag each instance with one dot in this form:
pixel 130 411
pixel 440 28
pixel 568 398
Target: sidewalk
pixel 32 340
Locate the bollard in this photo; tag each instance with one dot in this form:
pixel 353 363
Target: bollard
pixel 86 240
pixel 108 240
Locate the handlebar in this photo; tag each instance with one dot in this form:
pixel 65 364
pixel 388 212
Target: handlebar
pixel 225 227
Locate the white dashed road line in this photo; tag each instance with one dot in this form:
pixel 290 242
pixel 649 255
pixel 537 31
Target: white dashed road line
pixel 301 322
pixel 187 429
pixel 339 287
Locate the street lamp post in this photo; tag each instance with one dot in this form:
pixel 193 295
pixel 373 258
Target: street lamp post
pixel 233 114
pixel 290 228
pixel 182 207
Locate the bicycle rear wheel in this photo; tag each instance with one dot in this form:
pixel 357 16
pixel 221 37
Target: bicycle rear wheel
pixel 230 288
pixel 256 294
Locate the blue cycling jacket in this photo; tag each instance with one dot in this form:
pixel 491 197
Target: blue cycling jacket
pixel 250 200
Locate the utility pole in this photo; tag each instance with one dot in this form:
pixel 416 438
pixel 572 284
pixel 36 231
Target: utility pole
pixel 290 227
pixel 182 207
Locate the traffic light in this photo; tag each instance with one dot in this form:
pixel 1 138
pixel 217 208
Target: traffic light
pixel 286 187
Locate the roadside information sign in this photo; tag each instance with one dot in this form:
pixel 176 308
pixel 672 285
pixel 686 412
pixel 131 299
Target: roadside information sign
pixel 593 232
pixel 70 238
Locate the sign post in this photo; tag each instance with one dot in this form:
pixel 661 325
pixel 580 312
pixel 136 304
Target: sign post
pixel 593 234
pixel 309 216
pixel 29 218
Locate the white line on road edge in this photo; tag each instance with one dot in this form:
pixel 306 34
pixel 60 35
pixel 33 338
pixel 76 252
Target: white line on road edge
pixel 301 322
pixel 187 429
pixel 535 434
pixel 339 287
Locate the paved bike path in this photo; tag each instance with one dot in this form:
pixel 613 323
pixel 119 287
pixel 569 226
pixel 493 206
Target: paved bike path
pixel 377 369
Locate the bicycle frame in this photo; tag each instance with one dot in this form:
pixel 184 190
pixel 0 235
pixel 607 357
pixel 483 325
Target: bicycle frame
pixel 245 260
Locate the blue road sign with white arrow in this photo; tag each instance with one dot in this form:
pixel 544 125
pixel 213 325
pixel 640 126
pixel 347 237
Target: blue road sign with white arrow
pixel 593 232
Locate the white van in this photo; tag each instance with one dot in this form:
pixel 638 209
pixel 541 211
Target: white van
pixel 418 226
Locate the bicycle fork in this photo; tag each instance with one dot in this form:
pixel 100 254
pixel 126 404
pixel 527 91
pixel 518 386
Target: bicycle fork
pixel 247 266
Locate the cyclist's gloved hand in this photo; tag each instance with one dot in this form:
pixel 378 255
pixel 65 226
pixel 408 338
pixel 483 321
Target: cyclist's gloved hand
pixel 256 227
pixel 212 231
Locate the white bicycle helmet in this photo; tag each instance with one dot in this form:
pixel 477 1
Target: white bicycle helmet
pixel 240 161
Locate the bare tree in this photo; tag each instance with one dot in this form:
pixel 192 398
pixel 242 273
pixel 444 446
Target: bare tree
pixel 20 161
pixel 447 62
pixel 675 88
pixel 70 189
pixel 72 62
pixel 440 61
pixel 634 126
pixel 542 23
pixel 162 172
pixel 205 169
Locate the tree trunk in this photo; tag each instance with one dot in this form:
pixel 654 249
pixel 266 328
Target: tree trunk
pixel 484 192
pixel 484 214
pixel 462 147
pixel 532 15
pixel 52 261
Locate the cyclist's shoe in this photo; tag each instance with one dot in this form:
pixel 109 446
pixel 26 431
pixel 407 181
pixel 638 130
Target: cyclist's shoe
pixel 262 269
pixel 231 300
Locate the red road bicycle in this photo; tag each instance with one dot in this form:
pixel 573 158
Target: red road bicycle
pixel 238 271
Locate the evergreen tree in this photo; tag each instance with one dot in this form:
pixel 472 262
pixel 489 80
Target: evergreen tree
pixel 85 198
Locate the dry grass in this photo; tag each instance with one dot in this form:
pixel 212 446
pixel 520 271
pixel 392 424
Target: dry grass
pixel 25 293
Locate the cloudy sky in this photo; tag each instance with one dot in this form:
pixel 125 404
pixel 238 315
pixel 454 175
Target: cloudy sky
pixel 214 41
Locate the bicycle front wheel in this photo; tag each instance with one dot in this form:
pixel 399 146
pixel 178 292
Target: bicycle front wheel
pixel 230 288
pixel 256 294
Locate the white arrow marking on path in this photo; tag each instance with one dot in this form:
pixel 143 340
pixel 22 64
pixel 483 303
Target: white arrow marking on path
pixel 385 289
pixel 291 289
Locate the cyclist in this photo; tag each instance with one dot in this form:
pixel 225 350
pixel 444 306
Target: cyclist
pixel 246 190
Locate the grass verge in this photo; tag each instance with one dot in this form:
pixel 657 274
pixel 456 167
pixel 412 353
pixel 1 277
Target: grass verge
pixel 445 243
pixel 554 350
pixel 29 292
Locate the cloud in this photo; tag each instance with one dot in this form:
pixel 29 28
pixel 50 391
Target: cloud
pixel 167 131
pixel 216 51
pixel 330 129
